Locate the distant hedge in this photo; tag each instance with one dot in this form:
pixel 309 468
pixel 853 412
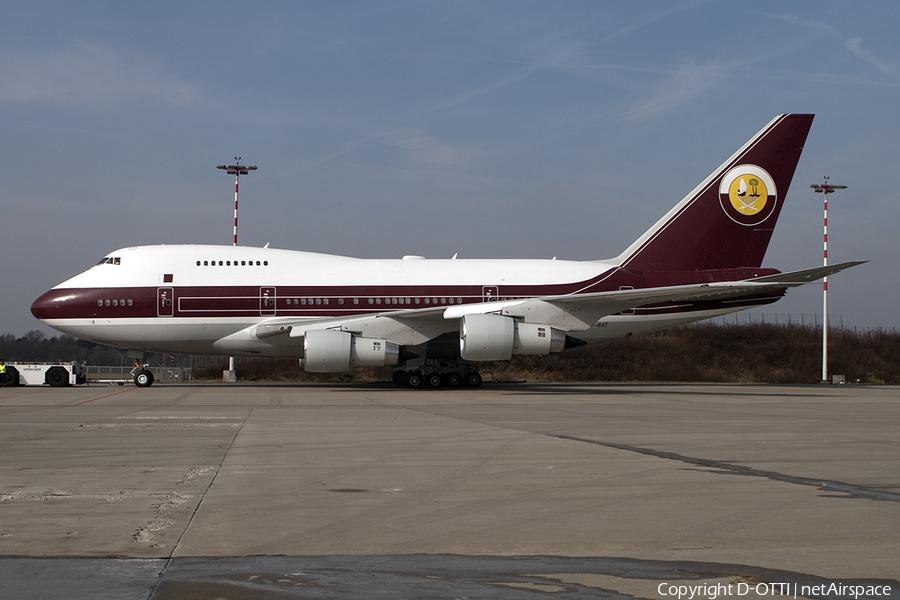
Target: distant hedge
pixel 705 352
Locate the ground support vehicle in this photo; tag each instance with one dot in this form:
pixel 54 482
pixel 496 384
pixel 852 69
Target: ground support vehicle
pixel 56 374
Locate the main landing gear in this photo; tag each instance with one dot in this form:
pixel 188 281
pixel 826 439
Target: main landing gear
pixel 438 377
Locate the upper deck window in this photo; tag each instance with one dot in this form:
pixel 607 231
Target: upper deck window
pixel 210 263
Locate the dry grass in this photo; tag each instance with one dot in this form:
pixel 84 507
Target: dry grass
pixel 752 353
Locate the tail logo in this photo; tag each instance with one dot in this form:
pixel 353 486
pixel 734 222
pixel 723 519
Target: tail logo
pixel 747 194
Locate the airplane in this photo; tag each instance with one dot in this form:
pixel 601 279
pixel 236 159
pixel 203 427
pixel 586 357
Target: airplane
pixel 435 320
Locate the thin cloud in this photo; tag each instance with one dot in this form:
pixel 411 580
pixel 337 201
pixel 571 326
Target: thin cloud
pixel 666 12
pixel 435 153
pixel 86 72
pixel 854 45
pixel 423 148
pixel 813 24
pixel 467 96
pixel 687 82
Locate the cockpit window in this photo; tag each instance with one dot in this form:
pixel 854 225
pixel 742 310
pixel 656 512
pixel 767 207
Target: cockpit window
pixel 110 260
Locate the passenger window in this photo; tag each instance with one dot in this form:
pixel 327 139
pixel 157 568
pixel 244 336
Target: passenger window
pixel 129 302
pixel 99 302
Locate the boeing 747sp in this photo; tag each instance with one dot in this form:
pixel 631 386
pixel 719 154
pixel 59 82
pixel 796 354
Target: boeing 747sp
pixel 436 320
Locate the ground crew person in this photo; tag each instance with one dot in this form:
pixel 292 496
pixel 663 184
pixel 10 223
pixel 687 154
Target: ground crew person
pixel 2 374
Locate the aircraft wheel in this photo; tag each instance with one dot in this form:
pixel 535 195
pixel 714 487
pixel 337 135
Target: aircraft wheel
pixel 401 377
pixel 143 378
pixel 472 379
pixel 414 380
pixel 433 380
pixel 453 379
pixel 57 377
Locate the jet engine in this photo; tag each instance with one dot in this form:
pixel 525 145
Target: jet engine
pixel 494 337
pixel 329 351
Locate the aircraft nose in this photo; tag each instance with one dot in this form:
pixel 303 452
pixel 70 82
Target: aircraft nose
pixel 50 305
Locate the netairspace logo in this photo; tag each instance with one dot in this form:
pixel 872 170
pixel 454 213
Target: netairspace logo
pixel 713 591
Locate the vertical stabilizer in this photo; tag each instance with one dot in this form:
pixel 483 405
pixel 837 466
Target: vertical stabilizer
pixel 727 221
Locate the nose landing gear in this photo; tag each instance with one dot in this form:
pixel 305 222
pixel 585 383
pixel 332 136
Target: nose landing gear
pixel 142 376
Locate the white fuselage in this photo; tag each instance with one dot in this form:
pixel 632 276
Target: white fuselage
pixel 185 298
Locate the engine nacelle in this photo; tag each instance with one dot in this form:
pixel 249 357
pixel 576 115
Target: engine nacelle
pixel 329 351
pixel 369 352
pixel 494 337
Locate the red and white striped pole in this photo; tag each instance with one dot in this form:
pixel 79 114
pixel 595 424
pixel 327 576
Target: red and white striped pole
pixel 236 177
pixel 237 169
pixel 825 189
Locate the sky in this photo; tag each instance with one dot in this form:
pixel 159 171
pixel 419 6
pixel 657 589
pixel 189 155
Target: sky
pixel 491 129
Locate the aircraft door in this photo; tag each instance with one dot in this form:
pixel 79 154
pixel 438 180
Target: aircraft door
pixel 266 301
pixel 490 293
pixel 165 302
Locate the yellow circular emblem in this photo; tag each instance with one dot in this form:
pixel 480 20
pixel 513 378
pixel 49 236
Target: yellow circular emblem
pixel 748 194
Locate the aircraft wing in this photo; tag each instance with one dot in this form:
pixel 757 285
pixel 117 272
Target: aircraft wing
pixel 578 312
pixel 568 312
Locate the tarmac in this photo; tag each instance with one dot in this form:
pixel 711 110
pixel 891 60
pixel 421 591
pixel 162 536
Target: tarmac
pixel 197 491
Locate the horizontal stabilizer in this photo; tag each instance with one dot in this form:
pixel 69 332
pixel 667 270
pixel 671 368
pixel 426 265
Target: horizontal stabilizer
pixel 795 278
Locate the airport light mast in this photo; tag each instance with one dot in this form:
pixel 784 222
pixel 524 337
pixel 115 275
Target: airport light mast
pixel 825 189
pixel 237 169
